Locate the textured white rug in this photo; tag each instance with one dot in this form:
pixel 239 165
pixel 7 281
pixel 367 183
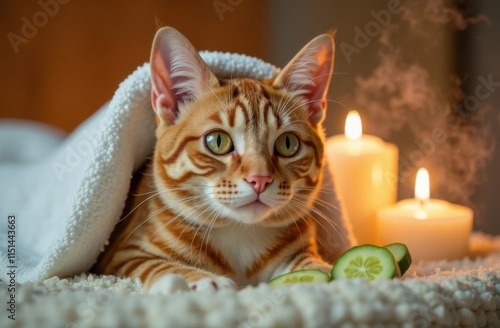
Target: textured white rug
pixel 462 293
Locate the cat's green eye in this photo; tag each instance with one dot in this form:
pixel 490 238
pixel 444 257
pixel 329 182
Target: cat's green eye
pixel 219 142
pixel 287 144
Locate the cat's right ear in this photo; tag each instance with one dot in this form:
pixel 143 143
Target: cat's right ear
pixel 178 74
pixel 308 75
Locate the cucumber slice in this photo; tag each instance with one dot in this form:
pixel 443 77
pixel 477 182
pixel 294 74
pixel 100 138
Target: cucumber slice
pixel 366 261
pixel 300 276
pixel 401 254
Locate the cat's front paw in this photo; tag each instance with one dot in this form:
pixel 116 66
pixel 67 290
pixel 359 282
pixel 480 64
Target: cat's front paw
pixel 212 284
pixel 324 267
pixel 321 266
pixel 169 284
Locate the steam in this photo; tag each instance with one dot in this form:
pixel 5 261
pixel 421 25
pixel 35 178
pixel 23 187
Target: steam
pixel 448 130
pixel 419 15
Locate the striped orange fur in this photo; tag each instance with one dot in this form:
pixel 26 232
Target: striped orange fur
pixel 237 165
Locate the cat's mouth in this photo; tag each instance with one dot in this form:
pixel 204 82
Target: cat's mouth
pixel 255 203
pixel 253 212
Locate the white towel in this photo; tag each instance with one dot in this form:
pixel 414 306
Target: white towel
pixel 66 195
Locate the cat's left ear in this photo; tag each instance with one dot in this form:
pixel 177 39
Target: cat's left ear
pixel 308 75
pixel 178 74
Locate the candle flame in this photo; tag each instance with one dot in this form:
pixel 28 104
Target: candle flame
pixel 353 127
pixel 422 188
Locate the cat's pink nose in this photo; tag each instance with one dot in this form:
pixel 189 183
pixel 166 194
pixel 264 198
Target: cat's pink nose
pixel 259 182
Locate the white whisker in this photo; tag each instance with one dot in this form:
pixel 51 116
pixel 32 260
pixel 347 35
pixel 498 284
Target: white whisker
pixel 151 215
pixel 300 204
pixel 155 193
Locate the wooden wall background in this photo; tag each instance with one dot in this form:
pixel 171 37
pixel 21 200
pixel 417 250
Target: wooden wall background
pixel 76 60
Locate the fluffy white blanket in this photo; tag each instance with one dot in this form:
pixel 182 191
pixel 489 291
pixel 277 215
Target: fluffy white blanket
pixel 462 293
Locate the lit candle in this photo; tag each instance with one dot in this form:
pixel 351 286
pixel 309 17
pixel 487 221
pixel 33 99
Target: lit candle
pixel 364 170
pixel 432 229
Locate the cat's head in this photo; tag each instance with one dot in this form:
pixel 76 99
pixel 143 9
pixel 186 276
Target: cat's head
pixel 238 150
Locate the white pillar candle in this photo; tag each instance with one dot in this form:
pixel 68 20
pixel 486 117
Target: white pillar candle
pixel 432 229
pixel 364 170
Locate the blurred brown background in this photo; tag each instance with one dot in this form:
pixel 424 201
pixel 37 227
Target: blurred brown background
pixel 64 69
pixel 73 63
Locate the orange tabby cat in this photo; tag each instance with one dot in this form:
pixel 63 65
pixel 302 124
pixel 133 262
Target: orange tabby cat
pixel 237 165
